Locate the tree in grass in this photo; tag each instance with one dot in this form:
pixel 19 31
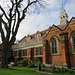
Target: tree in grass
pixel 10 22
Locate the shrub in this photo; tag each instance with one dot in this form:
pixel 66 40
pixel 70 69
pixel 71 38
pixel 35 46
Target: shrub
pixel 70 70
pixel 15 64
pixel 63 70
pixel 19 63
pixel 24 62
pixel 60 69
pixel 19 58
pixel 53 69
pixel 31 65
pixel 37 61
pixel 10 59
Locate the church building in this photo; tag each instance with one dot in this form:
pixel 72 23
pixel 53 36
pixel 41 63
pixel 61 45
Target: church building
pixel 55 45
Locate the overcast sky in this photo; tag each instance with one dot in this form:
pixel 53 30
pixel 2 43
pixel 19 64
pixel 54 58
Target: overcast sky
pixel 42 20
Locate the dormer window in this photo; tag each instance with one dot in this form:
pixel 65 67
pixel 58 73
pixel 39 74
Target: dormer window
pixel 28 38
pixel 38 36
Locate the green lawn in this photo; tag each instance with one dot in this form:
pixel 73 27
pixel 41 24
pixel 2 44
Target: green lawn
pixel 25 71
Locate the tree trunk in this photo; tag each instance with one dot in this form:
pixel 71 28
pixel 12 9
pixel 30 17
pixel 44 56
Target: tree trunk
pixel 4 59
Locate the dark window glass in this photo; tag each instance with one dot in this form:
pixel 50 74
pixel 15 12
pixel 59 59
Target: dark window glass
pixel 55 50
pixel 73 39
pixel 74 48
pixel 52 50
pixel 25 52
pixel 15 53
pixel 39 51
pixel 54 45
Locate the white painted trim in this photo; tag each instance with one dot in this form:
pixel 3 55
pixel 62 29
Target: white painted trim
pixel 38 45
pixel 15 56
pixel 24 56
pixel 38 56
pixel 57 46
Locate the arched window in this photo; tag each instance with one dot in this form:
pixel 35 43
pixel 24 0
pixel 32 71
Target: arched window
pixel 73 41
pixel 54 45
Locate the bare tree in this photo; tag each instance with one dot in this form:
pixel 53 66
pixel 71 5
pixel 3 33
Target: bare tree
pixel 9 28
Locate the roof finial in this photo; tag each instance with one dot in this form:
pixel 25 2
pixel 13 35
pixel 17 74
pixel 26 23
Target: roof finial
pixel 62 6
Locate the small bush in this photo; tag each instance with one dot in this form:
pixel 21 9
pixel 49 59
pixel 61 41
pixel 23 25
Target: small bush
pixel 31 66
pixel 24 62
pixel 19 58
pixel 10 59
pixel 57 70
pixel 70 70
pixel 19 63
pixel 74 70
pixel 63 70
pixel 15 64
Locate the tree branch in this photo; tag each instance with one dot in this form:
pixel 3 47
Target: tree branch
pixel 1 31
pixel 17 6
pixel 14 24
pixel 5 24
pixel 25 9
pixel 14 34
pixel 28 2
pixel 4 13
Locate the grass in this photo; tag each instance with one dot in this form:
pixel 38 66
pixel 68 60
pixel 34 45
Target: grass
pixel 20 71
pixel 25 71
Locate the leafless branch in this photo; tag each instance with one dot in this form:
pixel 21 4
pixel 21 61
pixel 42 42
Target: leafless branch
pixel 28 1
pixel 4 13
pixel 5 24
pixel 1 31
pixel 25 9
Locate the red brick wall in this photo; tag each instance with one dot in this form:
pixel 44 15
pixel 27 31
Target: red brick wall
pixel 64 47
pixel 29 56
pixel 62 57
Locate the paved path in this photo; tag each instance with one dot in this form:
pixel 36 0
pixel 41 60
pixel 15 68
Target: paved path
pixel 44 72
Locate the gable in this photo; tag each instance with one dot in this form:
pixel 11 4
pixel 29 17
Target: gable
pixel 72 22
pixel 52 30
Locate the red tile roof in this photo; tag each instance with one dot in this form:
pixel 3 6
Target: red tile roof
pixel 62 27
pixel 43 33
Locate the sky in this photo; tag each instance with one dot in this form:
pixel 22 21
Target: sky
pixel 40 20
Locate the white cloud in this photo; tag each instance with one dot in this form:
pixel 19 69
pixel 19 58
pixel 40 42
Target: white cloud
pixel 42 21
pixel 70 7
pixel 53 3
pixel 37 22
